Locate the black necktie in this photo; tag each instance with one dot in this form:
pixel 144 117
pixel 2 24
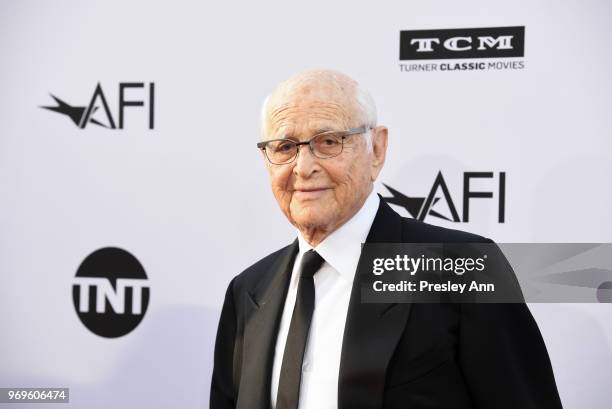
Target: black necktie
pixel 291 369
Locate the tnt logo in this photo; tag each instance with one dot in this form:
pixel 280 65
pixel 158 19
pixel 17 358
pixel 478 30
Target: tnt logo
pixel 110 292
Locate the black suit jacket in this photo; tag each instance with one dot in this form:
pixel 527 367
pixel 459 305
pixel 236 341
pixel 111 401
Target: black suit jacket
pixel 403 355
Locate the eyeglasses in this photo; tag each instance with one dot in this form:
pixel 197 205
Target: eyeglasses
pixel 324 146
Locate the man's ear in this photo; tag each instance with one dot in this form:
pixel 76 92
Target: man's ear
pixel 379 150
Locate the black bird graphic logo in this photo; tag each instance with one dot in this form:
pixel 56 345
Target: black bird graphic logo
pixel 76 113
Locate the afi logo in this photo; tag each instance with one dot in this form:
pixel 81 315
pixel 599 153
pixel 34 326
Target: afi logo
pixel 421 207
pixel 86 114
pixel 493 42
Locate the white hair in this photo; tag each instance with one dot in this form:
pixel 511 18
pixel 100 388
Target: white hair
pixel 368 112
pixel 366 105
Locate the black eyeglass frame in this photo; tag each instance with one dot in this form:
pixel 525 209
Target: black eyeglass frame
pixel 344 134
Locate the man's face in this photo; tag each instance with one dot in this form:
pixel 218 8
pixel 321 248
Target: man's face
pixel 316 193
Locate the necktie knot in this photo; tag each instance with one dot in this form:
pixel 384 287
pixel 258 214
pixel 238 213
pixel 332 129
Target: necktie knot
pixel 311 262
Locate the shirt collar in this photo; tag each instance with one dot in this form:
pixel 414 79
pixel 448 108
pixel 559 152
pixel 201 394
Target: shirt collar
pixel 342 248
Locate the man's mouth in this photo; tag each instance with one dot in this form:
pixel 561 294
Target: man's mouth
pixel 310 192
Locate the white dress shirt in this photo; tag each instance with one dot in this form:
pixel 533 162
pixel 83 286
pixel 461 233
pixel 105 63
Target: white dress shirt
pixel 333 283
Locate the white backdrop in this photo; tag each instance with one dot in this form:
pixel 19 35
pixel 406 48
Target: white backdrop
pixel 194 219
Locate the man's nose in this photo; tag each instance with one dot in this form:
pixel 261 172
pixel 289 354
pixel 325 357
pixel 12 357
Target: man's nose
pixel 305 163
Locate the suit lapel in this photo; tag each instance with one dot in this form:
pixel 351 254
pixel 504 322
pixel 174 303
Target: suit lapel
pixel 264 307
pixel 372 330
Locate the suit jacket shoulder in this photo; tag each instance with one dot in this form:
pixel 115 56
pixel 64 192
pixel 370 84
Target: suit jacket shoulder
pixel 260 271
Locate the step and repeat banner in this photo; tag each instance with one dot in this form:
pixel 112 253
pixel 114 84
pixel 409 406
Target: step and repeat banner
pixel 123 219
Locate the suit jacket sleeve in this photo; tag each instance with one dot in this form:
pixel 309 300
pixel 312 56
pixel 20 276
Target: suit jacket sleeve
pixel 222 395
pixel 504 359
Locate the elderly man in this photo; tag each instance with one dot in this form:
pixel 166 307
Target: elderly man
pixel 293 331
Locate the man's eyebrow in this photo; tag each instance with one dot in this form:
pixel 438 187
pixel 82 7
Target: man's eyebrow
pixel 285 136
pixel 290 135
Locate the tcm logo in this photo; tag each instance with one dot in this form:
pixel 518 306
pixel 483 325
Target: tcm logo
pixel 421 207
pixel 97 111
pixel 110 292
pixel 494 42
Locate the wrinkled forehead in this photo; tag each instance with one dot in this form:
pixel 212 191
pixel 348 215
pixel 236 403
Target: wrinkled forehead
pixel 310 107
